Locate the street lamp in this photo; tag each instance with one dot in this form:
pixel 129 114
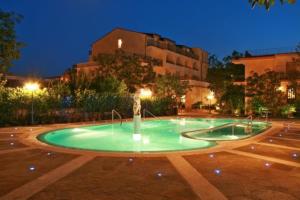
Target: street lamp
pixel 210 97
pixel 31 87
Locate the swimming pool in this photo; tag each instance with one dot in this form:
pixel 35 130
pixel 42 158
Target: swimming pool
pixel 156 135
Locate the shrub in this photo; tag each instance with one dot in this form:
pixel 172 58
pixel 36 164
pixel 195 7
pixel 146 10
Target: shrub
pixel 197 105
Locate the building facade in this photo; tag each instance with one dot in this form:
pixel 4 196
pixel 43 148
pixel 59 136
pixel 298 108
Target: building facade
pixel 285 63
pixel 190 63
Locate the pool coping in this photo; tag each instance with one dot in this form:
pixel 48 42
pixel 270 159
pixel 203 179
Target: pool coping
pixel 30 139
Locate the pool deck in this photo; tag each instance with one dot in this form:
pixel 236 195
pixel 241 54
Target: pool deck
pixel 266 166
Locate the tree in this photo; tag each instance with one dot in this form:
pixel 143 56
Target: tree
pixel 9 46
pixel 264 92
pixel 136 71
pixel 233 99
pixel 76 80
pixel 107 85
pixel 170 85
pixel 221 76
pixel 268 3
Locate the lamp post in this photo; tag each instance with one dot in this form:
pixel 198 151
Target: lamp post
pixel 32 87
pixel 210 97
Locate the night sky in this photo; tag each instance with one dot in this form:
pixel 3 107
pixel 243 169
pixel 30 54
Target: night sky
pixel 58 33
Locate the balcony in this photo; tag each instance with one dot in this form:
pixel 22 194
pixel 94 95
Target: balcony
pixel 173 48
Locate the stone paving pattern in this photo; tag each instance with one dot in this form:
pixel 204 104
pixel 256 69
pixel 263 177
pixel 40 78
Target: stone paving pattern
pixel 237 176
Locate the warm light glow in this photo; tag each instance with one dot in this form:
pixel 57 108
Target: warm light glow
pixel 31 86
pixel 183 99
pixel 145 93
pixel 281 89
pixel 120 42
pixel 211 96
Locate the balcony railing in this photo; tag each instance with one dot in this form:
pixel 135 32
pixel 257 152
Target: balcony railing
pixel 172 48
pixel 270 51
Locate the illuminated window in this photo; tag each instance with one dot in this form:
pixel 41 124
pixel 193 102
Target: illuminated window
pixel 291 93
pixel 120 42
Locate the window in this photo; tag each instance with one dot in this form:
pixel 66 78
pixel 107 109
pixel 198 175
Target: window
pixel 291 93
pixel 120 42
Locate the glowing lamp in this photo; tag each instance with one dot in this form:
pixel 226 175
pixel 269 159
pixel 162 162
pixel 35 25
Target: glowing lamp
pixel 211 96
pixel 31 86
pixel 145 93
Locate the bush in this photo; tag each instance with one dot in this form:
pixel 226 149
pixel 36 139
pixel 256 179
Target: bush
pixel 160 106
pixel 288 110
pixel 54 106
pixel 197 105
pixel 297 106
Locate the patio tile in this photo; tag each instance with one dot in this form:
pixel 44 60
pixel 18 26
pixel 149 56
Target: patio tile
pixel 241 177
pixel 289 143
pixel 10 144
pixel 284 154
pixel 287 135
pixel 122 179
pixel 15 167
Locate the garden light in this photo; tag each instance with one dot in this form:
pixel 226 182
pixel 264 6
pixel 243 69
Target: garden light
pixel 145 93
pixel 210 97
pixel 32 87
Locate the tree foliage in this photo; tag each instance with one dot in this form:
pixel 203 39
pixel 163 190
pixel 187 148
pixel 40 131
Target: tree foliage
pixel 170 85
pixel 233 99
pixel 57 103
pixel 221 75
pixel 9 46
pixel 268 3
pixel 264 91
pixel 135 70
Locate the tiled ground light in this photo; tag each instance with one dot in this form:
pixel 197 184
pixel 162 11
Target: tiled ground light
pixel 122 179
pixel 275 152
pixel 19 168
pixel 10 144
pixel 240 177
pixel 281 141
pixel 287 135
pixel 239 174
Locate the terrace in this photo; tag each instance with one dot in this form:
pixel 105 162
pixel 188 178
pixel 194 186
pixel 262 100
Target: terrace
pixel 34 170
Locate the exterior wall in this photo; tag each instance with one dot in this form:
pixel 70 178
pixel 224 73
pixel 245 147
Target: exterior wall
pixel 260 64
pixel 277 62
pixel 190 63
pixel 132 42
pixel 198 92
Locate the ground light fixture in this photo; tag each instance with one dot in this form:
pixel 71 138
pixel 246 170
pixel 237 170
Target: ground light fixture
pixel 32 87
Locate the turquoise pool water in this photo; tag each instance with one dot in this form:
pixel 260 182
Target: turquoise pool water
pixel 156 135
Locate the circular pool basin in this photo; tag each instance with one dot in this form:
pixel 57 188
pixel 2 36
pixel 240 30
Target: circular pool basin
pixel 156 135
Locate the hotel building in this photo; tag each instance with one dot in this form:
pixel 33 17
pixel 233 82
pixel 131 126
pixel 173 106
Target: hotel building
pixel 190 63
pixel 279 62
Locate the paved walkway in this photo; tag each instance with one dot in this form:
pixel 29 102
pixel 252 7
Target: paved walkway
pixel 199 182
